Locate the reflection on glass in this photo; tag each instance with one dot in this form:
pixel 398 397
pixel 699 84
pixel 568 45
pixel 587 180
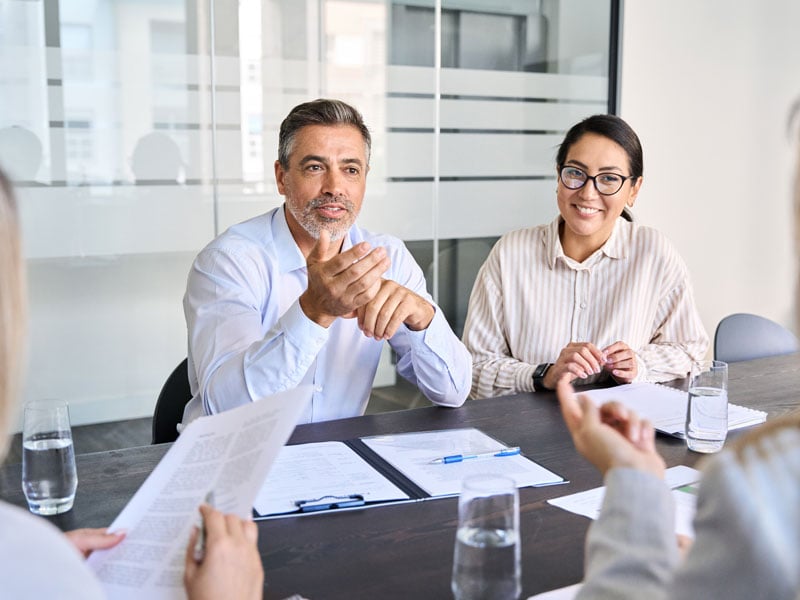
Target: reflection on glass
pixel 125 140
pixel 95 97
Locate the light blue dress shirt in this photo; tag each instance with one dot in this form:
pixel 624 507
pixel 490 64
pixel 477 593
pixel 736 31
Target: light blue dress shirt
pixel 249 338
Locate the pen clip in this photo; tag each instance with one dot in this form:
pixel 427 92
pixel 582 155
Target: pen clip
pixel 329 502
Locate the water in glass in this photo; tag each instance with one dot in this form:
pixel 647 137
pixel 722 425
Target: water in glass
pixel 49 479
pixel 486 564
pixel 707 419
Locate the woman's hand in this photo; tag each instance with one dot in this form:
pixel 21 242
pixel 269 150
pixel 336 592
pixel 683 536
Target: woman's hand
pixel 89 540
pixel 609 436
pixel 579 360
pixel 621 362
pixel 231 567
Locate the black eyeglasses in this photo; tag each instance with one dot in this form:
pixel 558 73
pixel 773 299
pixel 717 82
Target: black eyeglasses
pixel 606 184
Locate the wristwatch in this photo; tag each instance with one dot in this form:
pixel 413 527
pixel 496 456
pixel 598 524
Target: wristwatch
pixel 538 377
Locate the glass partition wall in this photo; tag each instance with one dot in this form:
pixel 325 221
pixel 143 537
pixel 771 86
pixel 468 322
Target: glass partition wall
pixel 136 130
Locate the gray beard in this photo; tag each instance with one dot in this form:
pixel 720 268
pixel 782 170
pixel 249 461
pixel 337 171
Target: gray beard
pixel 313 223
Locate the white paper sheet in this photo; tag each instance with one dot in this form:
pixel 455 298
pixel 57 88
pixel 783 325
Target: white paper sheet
pixel 412 453
pixel 590 502
pixel 665 407
pixel 229 453
pixel 307 471
pixel 565 593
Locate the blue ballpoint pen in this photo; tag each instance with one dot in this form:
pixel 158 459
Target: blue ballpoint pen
pixel 455 458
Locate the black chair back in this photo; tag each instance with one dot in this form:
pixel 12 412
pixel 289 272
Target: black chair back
pixel 174 397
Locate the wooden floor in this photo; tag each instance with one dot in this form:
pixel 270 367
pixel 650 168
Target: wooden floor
pixel 138 432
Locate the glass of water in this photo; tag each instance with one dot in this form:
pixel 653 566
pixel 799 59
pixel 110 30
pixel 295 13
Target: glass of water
pixel 486 562
pixel 49 478
pixel 707 411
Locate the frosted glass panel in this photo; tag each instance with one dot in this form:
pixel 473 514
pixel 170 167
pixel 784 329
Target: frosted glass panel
pixel 110 100
pixel 133 142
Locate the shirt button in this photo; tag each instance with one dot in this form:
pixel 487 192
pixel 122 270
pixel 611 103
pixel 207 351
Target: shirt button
pixel 583 304
pixel 317 388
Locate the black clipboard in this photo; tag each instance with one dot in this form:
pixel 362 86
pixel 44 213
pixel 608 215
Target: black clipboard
pixel 320 500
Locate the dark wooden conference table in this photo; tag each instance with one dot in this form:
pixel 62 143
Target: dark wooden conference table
pixel 406 550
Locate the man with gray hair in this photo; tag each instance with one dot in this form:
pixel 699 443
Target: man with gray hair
pixel 301 295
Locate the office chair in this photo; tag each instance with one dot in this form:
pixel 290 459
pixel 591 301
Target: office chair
pixel 458 267
pixel 174 396
pixel 742 336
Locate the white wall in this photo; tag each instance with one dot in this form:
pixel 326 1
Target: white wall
pixel 709 86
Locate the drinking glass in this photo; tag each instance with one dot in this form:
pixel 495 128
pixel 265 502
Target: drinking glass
pixel 49 478
pixel 707 411
pixel 486 562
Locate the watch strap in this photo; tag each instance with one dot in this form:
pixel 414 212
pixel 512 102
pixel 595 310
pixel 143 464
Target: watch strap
pixel 538 377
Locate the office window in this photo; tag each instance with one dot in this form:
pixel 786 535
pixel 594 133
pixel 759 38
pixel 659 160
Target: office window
pixel 76 43
pixel 133 142
pixel 470 40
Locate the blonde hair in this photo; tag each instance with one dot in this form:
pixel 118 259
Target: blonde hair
pixel 12 309
pixel 756 437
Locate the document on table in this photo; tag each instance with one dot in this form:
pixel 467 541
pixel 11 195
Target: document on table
pixel 323 470
pixel 412 453
pixel 565 593
pixel 665 407
pixel 369 471
pixel 230 454
pixel 681 480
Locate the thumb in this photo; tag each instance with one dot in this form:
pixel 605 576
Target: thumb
pixel 320 250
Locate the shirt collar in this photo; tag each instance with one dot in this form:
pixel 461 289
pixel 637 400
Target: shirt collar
pixel 551 242
pixel 289 256
pixel 619 242
pixel 615 247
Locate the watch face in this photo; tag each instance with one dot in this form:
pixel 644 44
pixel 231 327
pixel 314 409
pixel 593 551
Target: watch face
pixel 540 370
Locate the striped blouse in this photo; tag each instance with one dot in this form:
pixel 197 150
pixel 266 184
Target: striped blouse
pixel 530 300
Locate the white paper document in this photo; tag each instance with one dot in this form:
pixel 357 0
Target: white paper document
pixel 665 407
pixel 230 454
pixel 321 471
pixel 681 480
pixel 565 593
pixel 412 453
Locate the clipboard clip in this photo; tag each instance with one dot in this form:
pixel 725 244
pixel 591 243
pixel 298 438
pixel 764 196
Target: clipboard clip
pixel 329 502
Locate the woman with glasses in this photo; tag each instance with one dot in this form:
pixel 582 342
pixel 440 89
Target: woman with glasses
pixel 592 294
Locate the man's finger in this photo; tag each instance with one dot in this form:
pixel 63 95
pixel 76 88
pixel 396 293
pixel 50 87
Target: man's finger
pixel 358 262
pixel 320 249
